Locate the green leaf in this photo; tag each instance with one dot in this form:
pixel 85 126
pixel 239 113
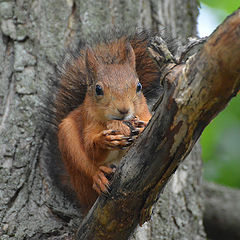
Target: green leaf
pixel 228 6
pixel 221 146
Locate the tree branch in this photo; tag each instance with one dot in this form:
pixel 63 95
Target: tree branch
pixel 194 93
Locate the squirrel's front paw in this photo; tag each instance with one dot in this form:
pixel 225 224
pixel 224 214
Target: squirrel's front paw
pixel 100 181
pixel 111 139
pixel 138 124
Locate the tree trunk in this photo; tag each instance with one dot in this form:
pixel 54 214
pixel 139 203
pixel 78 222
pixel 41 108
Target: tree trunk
pixel 33 33
pixel 221 215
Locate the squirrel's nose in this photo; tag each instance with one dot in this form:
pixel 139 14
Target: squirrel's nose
pixel 123 111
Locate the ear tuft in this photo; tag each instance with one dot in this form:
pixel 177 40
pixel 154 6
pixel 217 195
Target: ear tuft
pixel 92 65
pixel 130 55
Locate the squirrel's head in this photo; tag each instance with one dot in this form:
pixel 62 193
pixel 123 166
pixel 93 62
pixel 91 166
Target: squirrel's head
pixel 114 91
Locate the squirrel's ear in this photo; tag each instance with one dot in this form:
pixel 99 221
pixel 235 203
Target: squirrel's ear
pixel 91 65
pixel 130 55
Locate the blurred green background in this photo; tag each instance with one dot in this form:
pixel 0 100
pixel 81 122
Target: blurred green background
pixel 221 139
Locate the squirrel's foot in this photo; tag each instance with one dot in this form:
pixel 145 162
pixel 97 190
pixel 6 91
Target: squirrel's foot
pixel 112 139
pixel 100 181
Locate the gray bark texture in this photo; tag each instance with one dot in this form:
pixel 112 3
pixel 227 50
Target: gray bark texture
pixel 33 35
pixel 221 214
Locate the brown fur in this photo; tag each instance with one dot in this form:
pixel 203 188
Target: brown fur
pixel 117 67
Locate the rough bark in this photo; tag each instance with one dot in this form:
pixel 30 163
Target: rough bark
pixel 33 35
pixel 221 214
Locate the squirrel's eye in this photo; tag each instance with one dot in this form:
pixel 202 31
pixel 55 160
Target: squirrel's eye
pixel 139 87
pixel 99 90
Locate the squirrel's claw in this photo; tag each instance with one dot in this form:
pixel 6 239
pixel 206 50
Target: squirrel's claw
pixel 100 182
pixel 134 132
pixel 110 132
pixel 101 179
pixel 111 139
pixel 136 126
pixel 139 125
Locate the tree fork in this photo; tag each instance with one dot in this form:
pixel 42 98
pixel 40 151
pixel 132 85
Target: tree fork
pixel 194 93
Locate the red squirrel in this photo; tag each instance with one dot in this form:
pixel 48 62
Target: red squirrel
pixel 101 87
